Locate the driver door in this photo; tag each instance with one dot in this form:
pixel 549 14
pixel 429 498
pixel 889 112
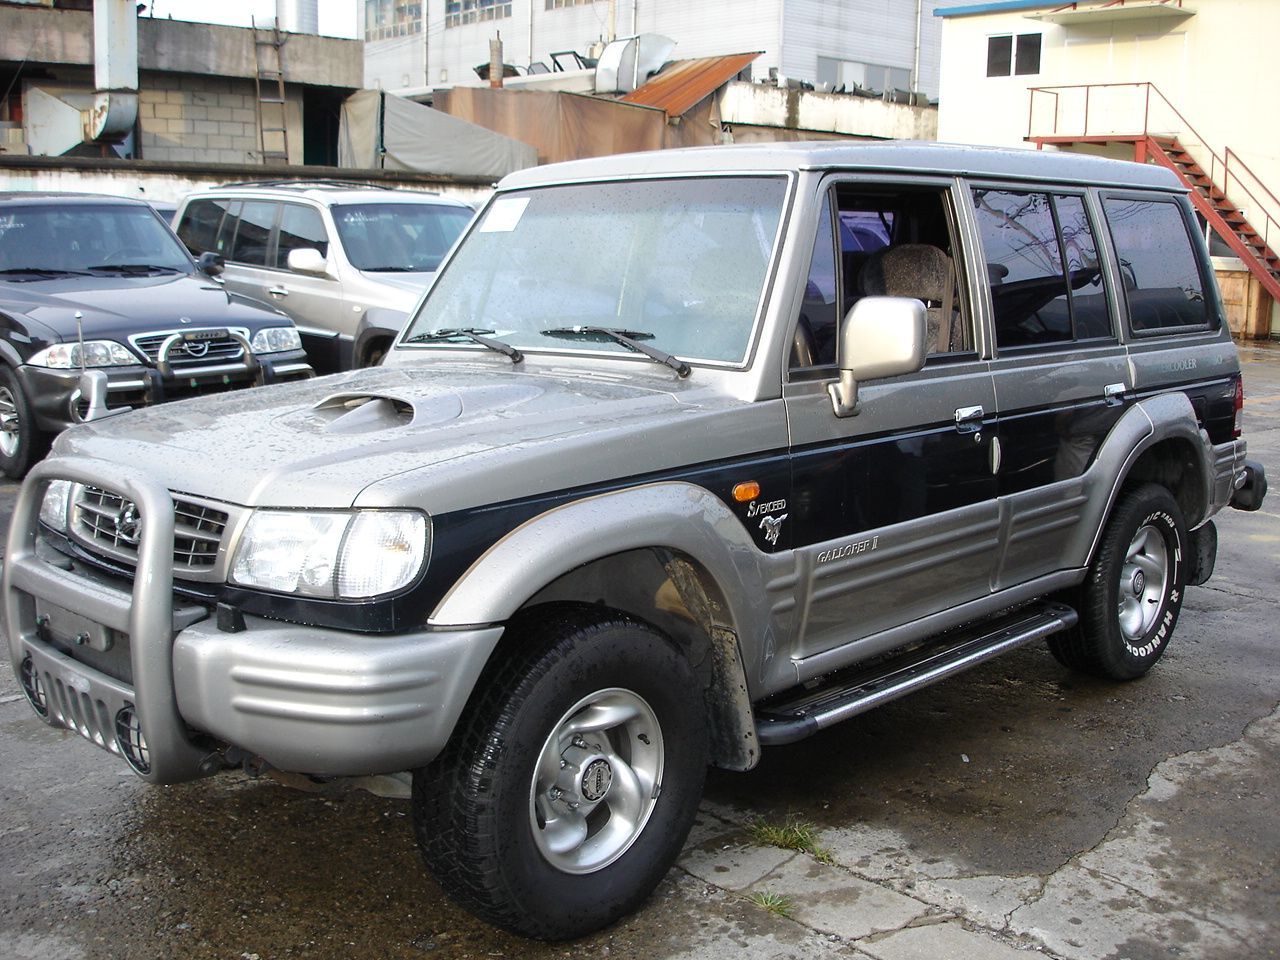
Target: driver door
pixel 894 512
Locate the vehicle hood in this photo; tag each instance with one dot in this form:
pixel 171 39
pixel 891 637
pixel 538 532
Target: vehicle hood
pixel 115 307
pixel 439 437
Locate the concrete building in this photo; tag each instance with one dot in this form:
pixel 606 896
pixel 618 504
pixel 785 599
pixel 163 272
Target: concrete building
pixel 415 46
pixel 1158 81
pixel 197 96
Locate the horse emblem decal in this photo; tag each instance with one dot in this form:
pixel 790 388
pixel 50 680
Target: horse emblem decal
pixel 772 527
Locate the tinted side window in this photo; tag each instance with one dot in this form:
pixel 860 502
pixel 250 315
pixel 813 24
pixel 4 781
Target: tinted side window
pixel 1084 272
pixel 300 228
pixel 253 233
pixel 1024 265
pixel 1158 268
pixel 198 228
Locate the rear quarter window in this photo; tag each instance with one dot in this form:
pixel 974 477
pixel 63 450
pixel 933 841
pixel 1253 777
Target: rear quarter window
pixel 1160 274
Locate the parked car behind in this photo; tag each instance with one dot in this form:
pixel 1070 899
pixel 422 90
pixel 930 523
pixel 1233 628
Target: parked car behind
pixel 346 261
pixel 89 282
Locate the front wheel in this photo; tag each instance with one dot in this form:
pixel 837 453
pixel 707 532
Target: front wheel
pixel 1130 601
pixel 572 782
pixel 22 443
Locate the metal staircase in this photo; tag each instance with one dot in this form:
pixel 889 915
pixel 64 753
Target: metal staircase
pixel 1234 201
pixel 272 109
pixel 1227 219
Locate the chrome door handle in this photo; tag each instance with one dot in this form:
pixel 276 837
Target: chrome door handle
pixel 1113 393
pixel 969 419
pixel 278 292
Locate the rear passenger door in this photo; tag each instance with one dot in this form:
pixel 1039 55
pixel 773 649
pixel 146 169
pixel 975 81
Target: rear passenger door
pixel 1060 371
pixel 247 238
pixel 893 513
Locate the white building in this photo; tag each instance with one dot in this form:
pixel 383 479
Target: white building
pixel 1183 84
pixel 413 46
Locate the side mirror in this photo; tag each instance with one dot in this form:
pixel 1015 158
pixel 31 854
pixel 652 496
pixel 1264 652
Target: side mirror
pixel 210 264
pixel 880 337
pixel 307 260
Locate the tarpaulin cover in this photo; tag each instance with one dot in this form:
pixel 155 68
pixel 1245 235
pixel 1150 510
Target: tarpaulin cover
pixel 562 126
pixel 414 137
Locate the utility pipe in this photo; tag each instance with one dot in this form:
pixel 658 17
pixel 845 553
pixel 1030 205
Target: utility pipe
pixel 915 60
pixel 115 71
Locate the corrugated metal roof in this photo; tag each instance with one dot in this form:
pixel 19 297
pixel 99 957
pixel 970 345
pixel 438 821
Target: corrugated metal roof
pixel 686 83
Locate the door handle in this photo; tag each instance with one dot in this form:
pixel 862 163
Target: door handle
pixel 278 292
pixel 1113 393
pixel 969 419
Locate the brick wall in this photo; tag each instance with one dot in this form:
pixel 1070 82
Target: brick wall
pixel 206 119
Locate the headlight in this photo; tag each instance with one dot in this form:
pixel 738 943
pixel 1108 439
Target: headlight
pixel 53 508
pixel 276 340
pixel 97 353
pixel 336 554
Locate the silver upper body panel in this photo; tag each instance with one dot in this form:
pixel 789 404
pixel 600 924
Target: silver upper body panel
pixel 900 156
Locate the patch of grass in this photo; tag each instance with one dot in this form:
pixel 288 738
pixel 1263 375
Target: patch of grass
pixel 775 903
pixel 792 835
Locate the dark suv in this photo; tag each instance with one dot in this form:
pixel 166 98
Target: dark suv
pixel 100 283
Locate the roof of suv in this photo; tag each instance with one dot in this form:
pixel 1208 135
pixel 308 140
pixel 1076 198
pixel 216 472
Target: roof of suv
pixel 327 192
pixel 53 198
pixel 906 156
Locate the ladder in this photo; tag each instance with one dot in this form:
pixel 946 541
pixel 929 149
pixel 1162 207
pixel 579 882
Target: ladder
pixel 268 82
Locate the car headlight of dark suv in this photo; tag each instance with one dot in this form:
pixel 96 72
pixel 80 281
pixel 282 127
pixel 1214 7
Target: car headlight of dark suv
pixel 276 340
pixel 93 353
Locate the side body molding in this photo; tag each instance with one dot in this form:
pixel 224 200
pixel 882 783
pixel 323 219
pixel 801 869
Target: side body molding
pixel 748 627
pixel 1168 416
pixel 675 516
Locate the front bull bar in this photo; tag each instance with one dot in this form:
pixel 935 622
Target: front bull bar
pixel 145 615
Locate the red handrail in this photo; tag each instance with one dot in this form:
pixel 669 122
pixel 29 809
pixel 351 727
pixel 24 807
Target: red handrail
pixel 1217 164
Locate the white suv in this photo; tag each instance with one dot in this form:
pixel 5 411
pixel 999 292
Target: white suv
pixel 346 261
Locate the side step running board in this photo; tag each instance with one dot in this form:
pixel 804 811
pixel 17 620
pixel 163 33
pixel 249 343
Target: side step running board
pixel 853 692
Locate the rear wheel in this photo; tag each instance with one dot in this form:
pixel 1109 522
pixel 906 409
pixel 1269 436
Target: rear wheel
pixel 21 442
pixel 572 782
pixel 1130 601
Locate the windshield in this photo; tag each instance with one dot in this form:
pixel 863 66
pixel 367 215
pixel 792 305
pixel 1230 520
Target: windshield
pixel 87 238
pixel 399 237
pixel 679 264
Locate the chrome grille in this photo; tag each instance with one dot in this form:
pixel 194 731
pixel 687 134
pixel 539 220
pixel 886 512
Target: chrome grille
pixel 199 352
pixel 104 519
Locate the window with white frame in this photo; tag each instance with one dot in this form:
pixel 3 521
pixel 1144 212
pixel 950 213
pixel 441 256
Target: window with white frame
pixel 458 12
pixel 384 19
pixel 557 4
pixel 1009 55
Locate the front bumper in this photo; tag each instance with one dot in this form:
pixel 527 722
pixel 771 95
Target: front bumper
pixel 51 392
pixel 303 699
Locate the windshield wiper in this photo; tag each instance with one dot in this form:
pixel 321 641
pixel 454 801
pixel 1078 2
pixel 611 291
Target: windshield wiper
pixel 390 268
pixel 134 268
pixel 474 334
pixel 628 338
pixel 43 272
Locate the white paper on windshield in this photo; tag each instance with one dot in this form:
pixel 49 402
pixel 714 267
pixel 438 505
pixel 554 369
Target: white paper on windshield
pixel 504 215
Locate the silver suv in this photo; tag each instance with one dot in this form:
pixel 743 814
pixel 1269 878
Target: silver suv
pixel 346 261
pixel 684 455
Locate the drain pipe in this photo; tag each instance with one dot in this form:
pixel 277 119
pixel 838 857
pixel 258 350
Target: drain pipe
pixel 915 60
pixel 115 71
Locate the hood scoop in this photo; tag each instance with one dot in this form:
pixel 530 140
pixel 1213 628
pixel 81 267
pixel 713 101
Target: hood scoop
pixel 369 412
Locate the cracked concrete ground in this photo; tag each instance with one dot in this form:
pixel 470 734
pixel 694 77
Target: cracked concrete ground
pixel 1016 810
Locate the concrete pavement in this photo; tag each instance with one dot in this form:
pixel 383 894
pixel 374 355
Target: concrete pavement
pixel 1016 810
